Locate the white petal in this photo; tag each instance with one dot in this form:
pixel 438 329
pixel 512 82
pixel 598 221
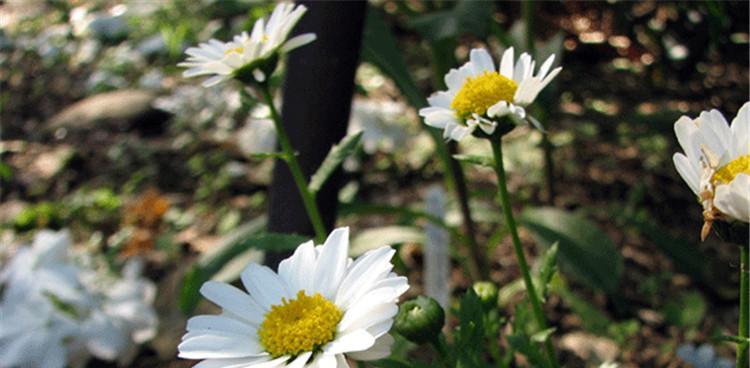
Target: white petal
pixel 482 61
pixel 298 269
pixel 233 300
pixel 231 362
pixel 331 264
pixel 298 41
pixel 506 65
pixel 220 323
pixel 300 361
pixel 733 199
pixel 687 171
pixel 363 273
pixel 353 341
pixel 219 345
pixel 372 308
pixel 380 350
pixel 440 119
pixel 264 285
pixel 456 77
pixel 545 66
pixel 440 99
pixel 741 131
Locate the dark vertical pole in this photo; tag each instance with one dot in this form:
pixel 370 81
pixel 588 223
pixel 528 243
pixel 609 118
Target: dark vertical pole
pixel 317 98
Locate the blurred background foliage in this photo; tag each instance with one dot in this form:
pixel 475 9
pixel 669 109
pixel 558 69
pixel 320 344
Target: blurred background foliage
pixel 169 170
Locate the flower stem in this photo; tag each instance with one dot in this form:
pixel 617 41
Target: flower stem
pixel 742 348
pixel 441 347
pixel 510 222
pixel 290 157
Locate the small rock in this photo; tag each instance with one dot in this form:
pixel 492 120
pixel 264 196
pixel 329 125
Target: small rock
pixel 127 109
pixel 590 347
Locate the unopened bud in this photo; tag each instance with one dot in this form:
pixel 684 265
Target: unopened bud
pixel 487 293
pixel 420 320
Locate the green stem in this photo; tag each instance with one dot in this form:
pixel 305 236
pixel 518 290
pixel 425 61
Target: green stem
pixel 510 222
pixel 290 157
pixel 441 347
pixel 742 348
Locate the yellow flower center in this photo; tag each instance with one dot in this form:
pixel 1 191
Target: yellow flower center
pixel 299 325
pixel 238 50
pixel 727 173
pixel 481 92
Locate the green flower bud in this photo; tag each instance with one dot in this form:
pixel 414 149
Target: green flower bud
pixel 487 293
pixel 420 320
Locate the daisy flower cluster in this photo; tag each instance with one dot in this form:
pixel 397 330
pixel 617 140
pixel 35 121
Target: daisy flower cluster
pixel 320 308
pixel 58 311
pixel 716 163
pixel 479 95
pixel 248 56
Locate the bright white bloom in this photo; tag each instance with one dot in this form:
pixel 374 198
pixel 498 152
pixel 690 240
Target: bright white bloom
pixel 320 308
pixel 224 59
pixel 478 94
pixel 380 124
pixel 716 163
pixel 73 310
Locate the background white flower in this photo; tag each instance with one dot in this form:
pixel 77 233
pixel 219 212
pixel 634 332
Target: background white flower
pixel 320 308
pixel 716 162
pixel 266 40
pixel 478 93
pixel 381 124
pixel 73 309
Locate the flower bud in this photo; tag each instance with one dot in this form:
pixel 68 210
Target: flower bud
pixel 487 293
pixel 420 320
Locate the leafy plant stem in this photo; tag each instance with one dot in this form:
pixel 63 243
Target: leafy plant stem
pixel 510 222
pixel 290 158
pixel 440 346
pixel 742 348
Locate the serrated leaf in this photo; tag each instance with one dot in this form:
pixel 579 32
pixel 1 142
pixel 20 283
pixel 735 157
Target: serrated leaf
pixel 547 269
pixel 335 157
pixel 585 252
pixel 469 337
pixel 485 161
pixel 543 335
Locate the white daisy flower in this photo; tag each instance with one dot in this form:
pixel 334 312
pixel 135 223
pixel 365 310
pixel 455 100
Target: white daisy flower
pixel 248 53
pixel 74 310
pixel 318 310
pixel 478 94
pixel 716 163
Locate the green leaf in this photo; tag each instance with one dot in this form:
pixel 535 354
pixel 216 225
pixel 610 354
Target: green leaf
pixel 335 157
pixel 586 253
pixel 391 363
pixel 245 238
pixel 687 312
pixel 547 269
pixel 386 235
pixel 519 340
pixel 466 17
pixel 543 335
pixel 380 48
pixel 685 254
pixel 470 334
pixel 264 155
pixel 485 161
